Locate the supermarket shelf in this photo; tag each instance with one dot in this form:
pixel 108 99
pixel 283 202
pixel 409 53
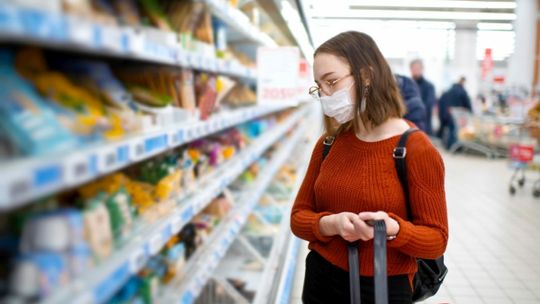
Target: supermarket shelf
pixel 28 179
pixel 287 276
pixel 200 269
pixel 72 33
pixel 273 263
pixel 239 22
pixel 101 282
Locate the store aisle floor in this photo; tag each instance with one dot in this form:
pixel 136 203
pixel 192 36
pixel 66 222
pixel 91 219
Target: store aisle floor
pixel 493 254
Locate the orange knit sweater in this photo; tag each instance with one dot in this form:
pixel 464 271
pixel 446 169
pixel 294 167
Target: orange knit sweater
pixel 360 176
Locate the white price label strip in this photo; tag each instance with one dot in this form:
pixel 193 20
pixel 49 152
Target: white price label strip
pixel 78 169
pixel 155 244
pixel 111 38
pixel 176 223
pixel 81 31
pixel 137 260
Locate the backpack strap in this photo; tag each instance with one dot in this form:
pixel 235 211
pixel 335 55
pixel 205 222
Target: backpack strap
pixel 399 154
pixel 327 144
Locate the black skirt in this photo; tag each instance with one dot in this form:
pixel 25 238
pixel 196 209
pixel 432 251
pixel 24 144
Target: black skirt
pixel 327 284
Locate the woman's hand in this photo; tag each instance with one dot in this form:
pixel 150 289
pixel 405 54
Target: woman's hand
pixel 348 225
pixel 392 226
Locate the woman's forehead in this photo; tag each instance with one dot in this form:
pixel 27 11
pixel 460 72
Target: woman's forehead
pixel 327 63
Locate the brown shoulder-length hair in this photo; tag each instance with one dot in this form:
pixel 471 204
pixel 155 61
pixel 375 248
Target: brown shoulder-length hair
pixel 365 60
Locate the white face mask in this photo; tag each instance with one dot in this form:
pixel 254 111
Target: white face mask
pixel 339 105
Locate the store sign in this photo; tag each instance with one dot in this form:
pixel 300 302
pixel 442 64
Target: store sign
pixel 277 75
pixel 487 64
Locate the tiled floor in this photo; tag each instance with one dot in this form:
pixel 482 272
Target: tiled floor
pixel 493 254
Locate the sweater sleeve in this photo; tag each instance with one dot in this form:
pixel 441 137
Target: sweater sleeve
pixel 304 217
pixel 426 236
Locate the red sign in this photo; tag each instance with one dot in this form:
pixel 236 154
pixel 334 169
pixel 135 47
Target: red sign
pixel 522 153
pixel 487 64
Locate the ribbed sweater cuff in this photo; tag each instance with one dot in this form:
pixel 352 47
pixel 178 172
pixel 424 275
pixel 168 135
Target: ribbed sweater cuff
pixel 405 232
pixel 316 229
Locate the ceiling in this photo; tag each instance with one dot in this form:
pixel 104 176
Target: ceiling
pixel 422 10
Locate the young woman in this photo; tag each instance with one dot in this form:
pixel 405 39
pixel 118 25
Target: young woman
pixel 358 182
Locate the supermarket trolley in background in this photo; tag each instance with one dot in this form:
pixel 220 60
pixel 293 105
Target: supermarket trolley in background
pixel 467 134
pixel 521 156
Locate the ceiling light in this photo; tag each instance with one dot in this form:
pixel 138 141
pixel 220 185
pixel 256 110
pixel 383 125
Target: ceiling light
pixel 495 26
pixel 436 4
pixel 418 15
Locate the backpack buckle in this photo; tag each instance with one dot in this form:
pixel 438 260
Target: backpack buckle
pixel 399 152
pixel 329 140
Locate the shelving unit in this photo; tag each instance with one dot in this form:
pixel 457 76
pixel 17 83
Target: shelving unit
pixel 239 22
pixel 201 267
pixel 71 33
pixel 24 181
pixel 28 179
pixel 274 265
pixel 100 283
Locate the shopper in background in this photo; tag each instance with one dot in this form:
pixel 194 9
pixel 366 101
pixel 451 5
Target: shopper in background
pixel 455 97
pixel 357 182
pixel 427 91
pixel 410 93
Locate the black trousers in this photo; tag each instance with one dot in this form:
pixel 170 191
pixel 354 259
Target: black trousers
pixel 328 284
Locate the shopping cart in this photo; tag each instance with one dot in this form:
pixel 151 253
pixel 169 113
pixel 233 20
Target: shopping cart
pixel 468 139
pixel 520 157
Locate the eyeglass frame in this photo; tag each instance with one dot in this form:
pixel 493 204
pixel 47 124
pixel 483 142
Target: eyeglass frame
pixel 315 91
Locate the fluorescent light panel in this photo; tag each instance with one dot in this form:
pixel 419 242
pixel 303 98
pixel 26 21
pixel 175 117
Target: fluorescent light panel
pixel 436 4
pixel 429 15
pixel 495 26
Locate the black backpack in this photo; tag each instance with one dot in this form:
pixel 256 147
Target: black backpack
pixel 431 273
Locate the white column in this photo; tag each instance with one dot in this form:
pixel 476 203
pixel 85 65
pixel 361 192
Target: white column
pixel 465 62
pixel 521 63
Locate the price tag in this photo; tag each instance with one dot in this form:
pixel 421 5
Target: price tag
pixel 137 260
pixel 156 243
pixel 182 58
pixel 194 61
pixel 125 36
pixel 78 169
pixel 209 64
pixel 108 159
pixel 176 224
pixel 137 150
pixel 122 154
pixel 81 31
pixel 9 21
pixel 189 134
pixel 136 42
pixel 180 138
pixel 34 23
pixel 47 175
pixel 111 38
pixel 155 143
pixel 187 214
pixel 200 62
pixel 19 188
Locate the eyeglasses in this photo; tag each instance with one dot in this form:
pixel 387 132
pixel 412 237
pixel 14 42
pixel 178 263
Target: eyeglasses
pixel 327 87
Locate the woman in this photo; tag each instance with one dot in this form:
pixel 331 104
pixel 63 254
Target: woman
pixel 357 181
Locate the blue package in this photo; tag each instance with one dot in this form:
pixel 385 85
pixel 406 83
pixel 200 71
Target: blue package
pixel 43 272
pixel 26 118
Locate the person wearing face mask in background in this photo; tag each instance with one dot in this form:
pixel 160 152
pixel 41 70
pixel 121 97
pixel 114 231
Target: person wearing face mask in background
pixel 357 181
